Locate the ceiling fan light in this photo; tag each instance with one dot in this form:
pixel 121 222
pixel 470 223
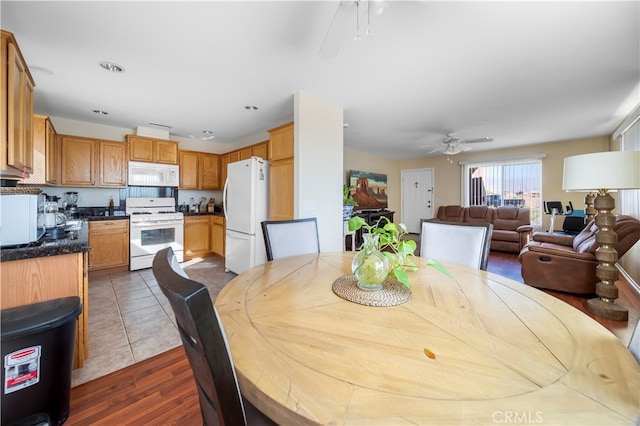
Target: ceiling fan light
pixel 451 150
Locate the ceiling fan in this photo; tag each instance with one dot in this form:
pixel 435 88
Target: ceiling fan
pixel 347 18
pixel 452 145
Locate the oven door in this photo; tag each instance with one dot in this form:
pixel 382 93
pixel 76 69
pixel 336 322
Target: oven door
pixel 147 238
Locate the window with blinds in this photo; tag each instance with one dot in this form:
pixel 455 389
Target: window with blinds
pixel 505 183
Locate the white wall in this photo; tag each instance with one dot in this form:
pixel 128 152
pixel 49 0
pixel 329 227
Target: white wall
pixel 318 168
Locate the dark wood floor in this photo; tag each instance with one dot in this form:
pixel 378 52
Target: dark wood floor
pixel 161 390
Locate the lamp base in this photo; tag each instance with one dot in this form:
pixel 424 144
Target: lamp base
pixel 608 310
pixel 607 256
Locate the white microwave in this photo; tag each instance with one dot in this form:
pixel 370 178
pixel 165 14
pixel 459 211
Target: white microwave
pixel 153 174
pixel 19 219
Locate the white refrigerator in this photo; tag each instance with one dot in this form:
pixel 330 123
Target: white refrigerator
pixel 246 205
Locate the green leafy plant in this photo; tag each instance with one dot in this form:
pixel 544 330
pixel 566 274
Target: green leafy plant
pixel 399 251
pixel 347 198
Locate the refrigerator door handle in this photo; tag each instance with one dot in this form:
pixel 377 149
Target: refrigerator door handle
pixel 224 198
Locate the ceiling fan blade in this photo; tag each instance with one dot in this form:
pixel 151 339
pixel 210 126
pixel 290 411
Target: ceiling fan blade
pixel 463 147
pixel 438 149
pixel 485 139
pixel 338 29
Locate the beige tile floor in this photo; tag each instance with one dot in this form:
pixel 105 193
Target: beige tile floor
pixel 130 319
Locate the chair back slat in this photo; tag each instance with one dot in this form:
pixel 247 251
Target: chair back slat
pixel 284 238
pixel 462 243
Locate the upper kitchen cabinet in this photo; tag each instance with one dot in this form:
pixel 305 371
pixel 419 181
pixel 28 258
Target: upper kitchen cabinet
pixel 258 150
pixel 281 142
pixel 142 148
pixel 16 125
pixel 281 172
pixel 199 170
pixel 78 161
pixel 112 162
pixel 92 162
pixel 46 158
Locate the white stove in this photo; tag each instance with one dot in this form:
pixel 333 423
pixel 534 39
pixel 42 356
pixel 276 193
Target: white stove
pixel 155 224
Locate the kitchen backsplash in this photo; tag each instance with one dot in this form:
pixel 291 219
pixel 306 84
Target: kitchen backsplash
pixel 92 197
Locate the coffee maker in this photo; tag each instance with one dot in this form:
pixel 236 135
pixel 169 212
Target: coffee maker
pixel 71 205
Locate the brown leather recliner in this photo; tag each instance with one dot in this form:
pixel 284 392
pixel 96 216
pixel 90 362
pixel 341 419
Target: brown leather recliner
pixel 567 263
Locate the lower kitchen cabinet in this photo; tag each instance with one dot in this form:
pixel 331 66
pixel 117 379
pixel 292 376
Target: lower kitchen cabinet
pixel 109 242
pixel 217 235
pixel 196 236
pixel 39 279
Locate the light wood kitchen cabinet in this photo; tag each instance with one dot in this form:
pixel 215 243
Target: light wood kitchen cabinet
pixel 16 122
pixel 52 154
pixel 224 161
pixel 45 159
pixel 245 153
pixel 78 161
pixel 260 150
pixel 142 148
pixel 234 156
pixel 217 235
pixel 92 162
pixel 281 142
pixel 113 164
pixel 189 169
pixel 197 235
pixel 45 278
pixel 210 176
pixel 109 242
pixel 199 170
pixel 281 157
pixel 281 190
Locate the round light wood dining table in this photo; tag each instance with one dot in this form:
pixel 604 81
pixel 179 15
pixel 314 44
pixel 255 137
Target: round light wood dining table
pixel 477 348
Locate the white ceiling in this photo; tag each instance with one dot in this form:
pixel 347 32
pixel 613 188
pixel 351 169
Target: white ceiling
pixel 520 72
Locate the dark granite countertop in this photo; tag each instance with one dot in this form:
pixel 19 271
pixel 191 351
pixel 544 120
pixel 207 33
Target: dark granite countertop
pixel 204 214
pixel 99 218
pixel 45 248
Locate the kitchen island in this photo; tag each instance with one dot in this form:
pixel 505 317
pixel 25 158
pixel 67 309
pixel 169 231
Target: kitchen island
pixel 47 270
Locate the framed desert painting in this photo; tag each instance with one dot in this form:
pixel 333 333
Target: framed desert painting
pixel 368 189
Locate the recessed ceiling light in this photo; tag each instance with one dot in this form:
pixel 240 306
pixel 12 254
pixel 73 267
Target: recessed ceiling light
pixel 100 112
pixel 251 107
pixel 110 66
pixel 206 135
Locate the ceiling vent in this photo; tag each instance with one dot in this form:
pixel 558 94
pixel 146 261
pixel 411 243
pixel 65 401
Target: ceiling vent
pixel 161 133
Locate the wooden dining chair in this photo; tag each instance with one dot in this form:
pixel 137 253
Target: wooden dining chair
pixel 205 343
pixel 284 238
pixel 462 243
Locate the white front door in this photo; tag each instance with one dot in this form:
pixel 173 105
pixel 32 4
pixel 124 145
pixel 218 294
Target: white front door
pixel 417 197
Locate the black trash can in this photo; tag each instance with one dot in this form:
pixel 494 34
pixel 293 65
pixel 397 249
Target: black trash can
pixel 37 343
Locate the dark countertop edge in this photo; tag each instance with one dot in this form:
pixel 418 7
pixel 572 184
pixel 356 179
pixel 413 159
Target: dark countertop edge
pixel 51 248
pixel 7 255
pixel 100 218
pixel 204 214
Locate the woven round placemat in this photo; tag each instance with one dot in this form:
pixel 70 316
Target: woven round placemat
pixel 393 292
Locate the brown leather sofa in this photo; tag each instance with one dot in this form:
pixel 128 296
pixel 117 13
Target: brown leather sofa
pixel 511 225
pixel 568 263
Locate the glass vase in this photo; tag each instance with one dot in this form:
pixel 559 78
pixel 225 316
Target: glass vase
pixel 370 266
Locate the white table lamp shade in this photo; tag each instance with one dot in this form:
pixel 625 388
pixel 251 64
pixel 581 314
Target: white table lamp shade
pixel 602 170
